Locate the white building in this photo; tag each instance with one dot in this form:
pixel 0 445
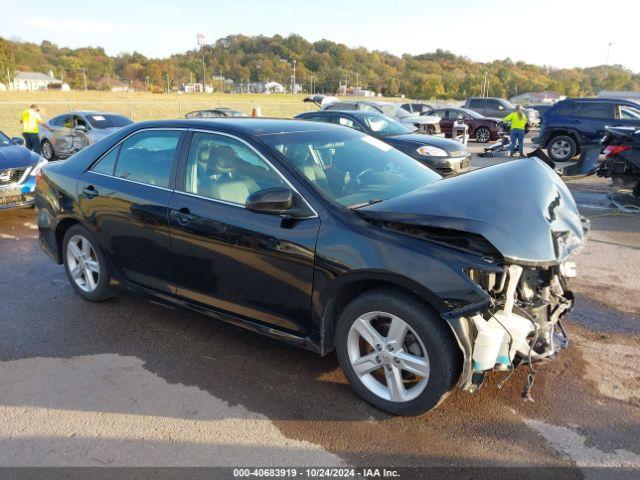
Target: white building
pixel 34 81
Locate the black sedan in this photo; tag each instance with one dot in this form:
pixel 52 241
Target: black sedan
pixel 445 156
pixel 326 238
pixel 18 168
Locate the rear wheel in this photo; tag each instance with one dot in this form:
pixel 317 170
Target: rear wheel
pixel 47 150
pixel 562 148
pixel 85 264
pixel 483 135
pixel 396 352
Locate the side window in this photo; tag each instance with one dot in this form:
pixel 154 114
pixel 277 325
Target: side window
pixel 367 108
pixel 223 168
pixel 476 103
pixel 595 110
pixel 347 122
pixel 107 164
pixel 146 157
pixel 80 121
pixel 493 104
pixel 58 121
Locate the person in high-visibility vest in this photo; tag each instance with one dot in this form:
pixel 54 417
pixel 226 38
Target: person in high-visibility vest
pixel 518 121
pixel 30 120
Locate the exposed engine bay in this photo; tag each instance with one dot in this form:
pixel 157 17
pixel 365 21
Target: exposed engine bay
pixel 524 324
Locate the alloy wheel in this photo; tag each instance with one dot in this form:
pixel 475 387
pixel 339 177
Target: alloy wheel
pixel 83 263
pixel 388 356
pixel 47 150
pixel 561 149
pixel 483 135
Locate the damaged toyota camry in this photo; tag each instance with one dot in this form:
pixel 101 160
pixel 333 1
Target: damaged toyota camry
pixel 328 239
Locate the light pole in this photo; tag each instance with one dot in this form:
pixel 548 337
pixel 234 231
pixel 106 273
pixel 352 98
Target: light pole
pixel 201 44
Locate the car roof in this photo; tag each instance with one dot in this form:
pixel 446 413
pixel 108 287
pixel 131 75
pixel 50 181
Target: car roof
pixel 595 100
pixel 246 125
pixel 89 112
pixel 353 113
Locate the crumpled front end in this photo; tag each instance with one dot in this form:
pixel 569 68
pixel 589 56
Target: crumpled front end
pixel 523 323
pixel 523 219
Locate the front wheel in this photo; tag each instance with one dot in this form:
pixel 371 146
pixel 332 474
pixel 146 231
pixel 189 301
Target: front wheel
pixel 483 135
pixel 562 148
pixel 396 352
pixel 85 264
pixel 47 150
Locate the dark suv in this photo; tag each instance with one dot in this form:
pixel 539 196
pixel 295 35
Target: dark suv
pixel 573 123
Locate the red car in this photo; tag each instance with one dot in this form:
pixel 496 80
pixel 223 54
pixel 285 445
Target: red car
pixel 482 128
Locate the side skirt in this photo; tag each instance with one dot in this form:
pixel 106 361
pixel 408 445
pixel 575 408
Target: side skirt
pixel 300 342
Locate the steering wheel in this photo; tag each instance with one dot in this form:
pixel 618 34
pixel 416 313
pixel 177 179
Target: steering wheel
pixel 357 180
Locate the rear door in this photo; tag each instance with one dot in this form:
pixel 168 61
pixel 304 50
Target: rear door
pixel 125 195
pixel 62 134
pixel 590 118
pixel 251 265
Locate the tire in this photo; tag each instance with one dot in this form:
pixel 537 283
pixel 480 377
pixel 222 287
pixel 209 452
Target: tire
pixel 90 277
pixel 47 150
pixel 562 148
pixel 426 341
pixel 483 135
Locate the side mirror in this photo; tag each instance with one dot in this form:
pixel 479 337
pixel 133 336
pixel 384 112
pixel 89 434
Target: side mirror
pixel 500 107
pixel 17 140
pixel 274 201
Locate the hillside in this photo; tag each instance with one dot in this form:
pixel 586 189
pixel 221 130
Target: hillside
pixel 432 75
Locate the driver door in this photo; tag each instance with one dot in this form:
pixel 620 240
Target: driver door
pixel 251 265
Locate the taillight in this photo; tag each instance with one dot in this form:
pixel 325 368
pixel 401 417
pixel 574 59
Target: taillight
pixel 612 150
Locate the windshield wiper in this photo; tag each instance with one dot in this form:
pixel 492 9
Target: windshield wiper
pixel 373 201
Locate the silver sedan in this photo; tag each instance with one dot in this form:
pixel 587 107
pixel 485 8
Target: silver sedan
pixel 64 135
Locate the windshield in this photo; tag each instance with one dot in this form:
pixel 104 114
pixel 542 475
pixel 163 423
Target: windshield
pixel 4 140
pixel 384 126
pixel 106 120
pixel 508 104
pixel 471 113
pixel 629 113
pixel 394 111
pixel 350 168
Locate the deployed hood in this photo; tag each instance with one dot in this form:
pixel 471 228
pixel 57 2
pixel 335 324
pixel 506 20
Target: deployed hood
pixel 16 156
pixel 522 208
pixel 421 119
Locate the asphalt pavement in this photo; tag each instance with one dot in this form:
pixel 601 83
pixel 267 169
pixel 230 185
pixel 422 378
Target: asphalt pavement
pixel 132 383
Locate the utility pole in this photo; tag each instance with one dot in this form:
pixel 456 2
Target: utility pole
pixel 609 52
pixel 201 44
pixel 146 78
pixel 293 78
pixel 84 76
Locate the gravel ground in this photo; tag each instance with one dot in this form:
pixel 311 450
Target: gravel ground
pixel 132 383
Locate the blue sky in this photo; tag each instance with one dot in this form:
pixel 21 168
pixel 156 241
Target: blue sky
pixel 547 32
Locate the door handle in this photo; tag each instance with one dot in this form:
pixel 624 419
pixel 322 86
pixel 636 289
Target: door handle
pixel 183 215
pixel 90 191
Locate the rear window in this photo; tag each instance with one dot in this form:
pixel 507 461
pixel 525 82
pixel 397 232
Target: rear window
pixel 105 120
